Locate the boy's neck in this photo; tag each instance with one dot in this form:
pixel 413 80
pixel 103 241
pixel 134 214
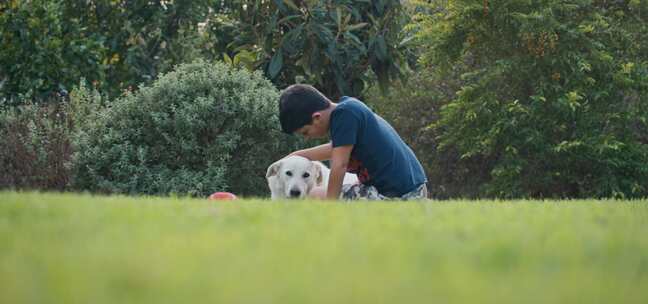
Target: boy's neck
pixel 325 115
pixel 327 112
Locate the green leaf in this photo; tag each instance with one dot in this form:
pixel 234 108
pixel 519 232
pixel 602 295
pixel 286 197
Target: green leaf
pixel 406 40
pixel 357 26
pixel 341 84
pixel 227 59
pixel 286 19
pixel 338 17
pixel 381 48
pixel 323 33
pixel 275 64
pixel 293 41
pixel 356 40
pixel 291 4
pixel 245 58
pixel 279 4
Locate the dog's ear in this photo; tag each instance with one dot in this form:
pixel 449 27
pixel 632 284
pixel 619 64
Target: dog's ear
pixel 319 177
pixel 273 169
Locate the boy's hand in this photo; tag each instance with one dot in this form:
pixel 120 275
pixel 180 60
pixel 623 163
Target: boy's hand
pixel 339 161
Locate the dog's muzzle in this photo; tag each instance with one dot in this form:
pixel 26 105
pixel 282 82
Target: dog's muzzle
pixel 295 193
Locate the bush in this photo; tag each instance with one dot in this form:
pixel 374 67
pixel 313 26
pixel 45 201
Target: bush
pixel 35 147
pixel 201 128
pixel 554 99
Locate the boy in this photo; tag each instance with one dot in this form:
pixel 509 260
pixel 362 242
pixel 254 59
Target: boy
pixel 361 142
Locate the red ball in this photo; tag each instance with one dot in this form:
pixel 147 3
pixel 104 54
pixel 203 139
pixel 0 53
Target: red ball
pixel 222 196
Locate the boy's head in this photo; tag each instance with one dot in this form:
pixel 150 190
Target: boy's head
pixel 299 104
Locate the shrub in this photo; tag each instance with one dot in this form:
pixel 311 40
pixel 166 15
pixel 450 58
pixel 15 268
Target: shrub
pixel 201 128
pixel 35 147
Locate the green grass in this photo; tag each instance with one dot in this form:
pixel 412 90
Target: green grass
pixel 66 248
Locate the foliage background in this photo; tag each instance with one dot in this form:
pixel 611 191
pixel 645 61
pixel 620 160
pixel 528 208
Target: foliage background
pixel 498 98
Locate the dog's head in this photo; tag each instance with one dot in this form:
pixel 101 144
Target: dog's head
pixel 293 177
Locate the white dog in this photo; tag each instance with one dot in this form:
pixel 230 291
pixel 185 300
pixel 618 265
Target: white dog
pixel 296 177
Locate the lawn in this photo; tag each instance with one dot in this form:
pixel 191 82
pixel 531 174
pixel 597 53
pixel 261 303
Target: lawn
pixel 73 248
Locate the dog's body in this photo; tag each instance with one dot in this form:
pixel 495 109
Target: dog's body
pixel 297 177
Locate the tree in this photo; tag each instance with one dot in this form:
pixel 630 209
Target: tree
pixel 554 99
pixel 330 44
pixel 47 46
pixel 43 51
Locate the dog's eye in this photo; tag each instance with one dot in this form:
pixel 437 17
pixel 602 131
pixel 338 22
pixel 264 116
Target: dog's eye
pixel 306 175
pixel 288 173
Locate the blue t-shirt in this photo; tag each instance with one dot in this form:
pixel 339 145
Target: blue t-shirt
pixel 379 157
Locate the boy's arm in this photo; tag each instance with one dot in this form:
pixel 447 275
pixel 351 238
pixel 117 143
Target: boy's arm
pixel 339 161
pixel 321 152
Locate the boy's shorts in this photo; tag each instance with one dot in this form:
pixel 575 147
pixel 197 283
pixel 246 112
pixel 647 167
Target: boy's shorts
pixel 352 192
